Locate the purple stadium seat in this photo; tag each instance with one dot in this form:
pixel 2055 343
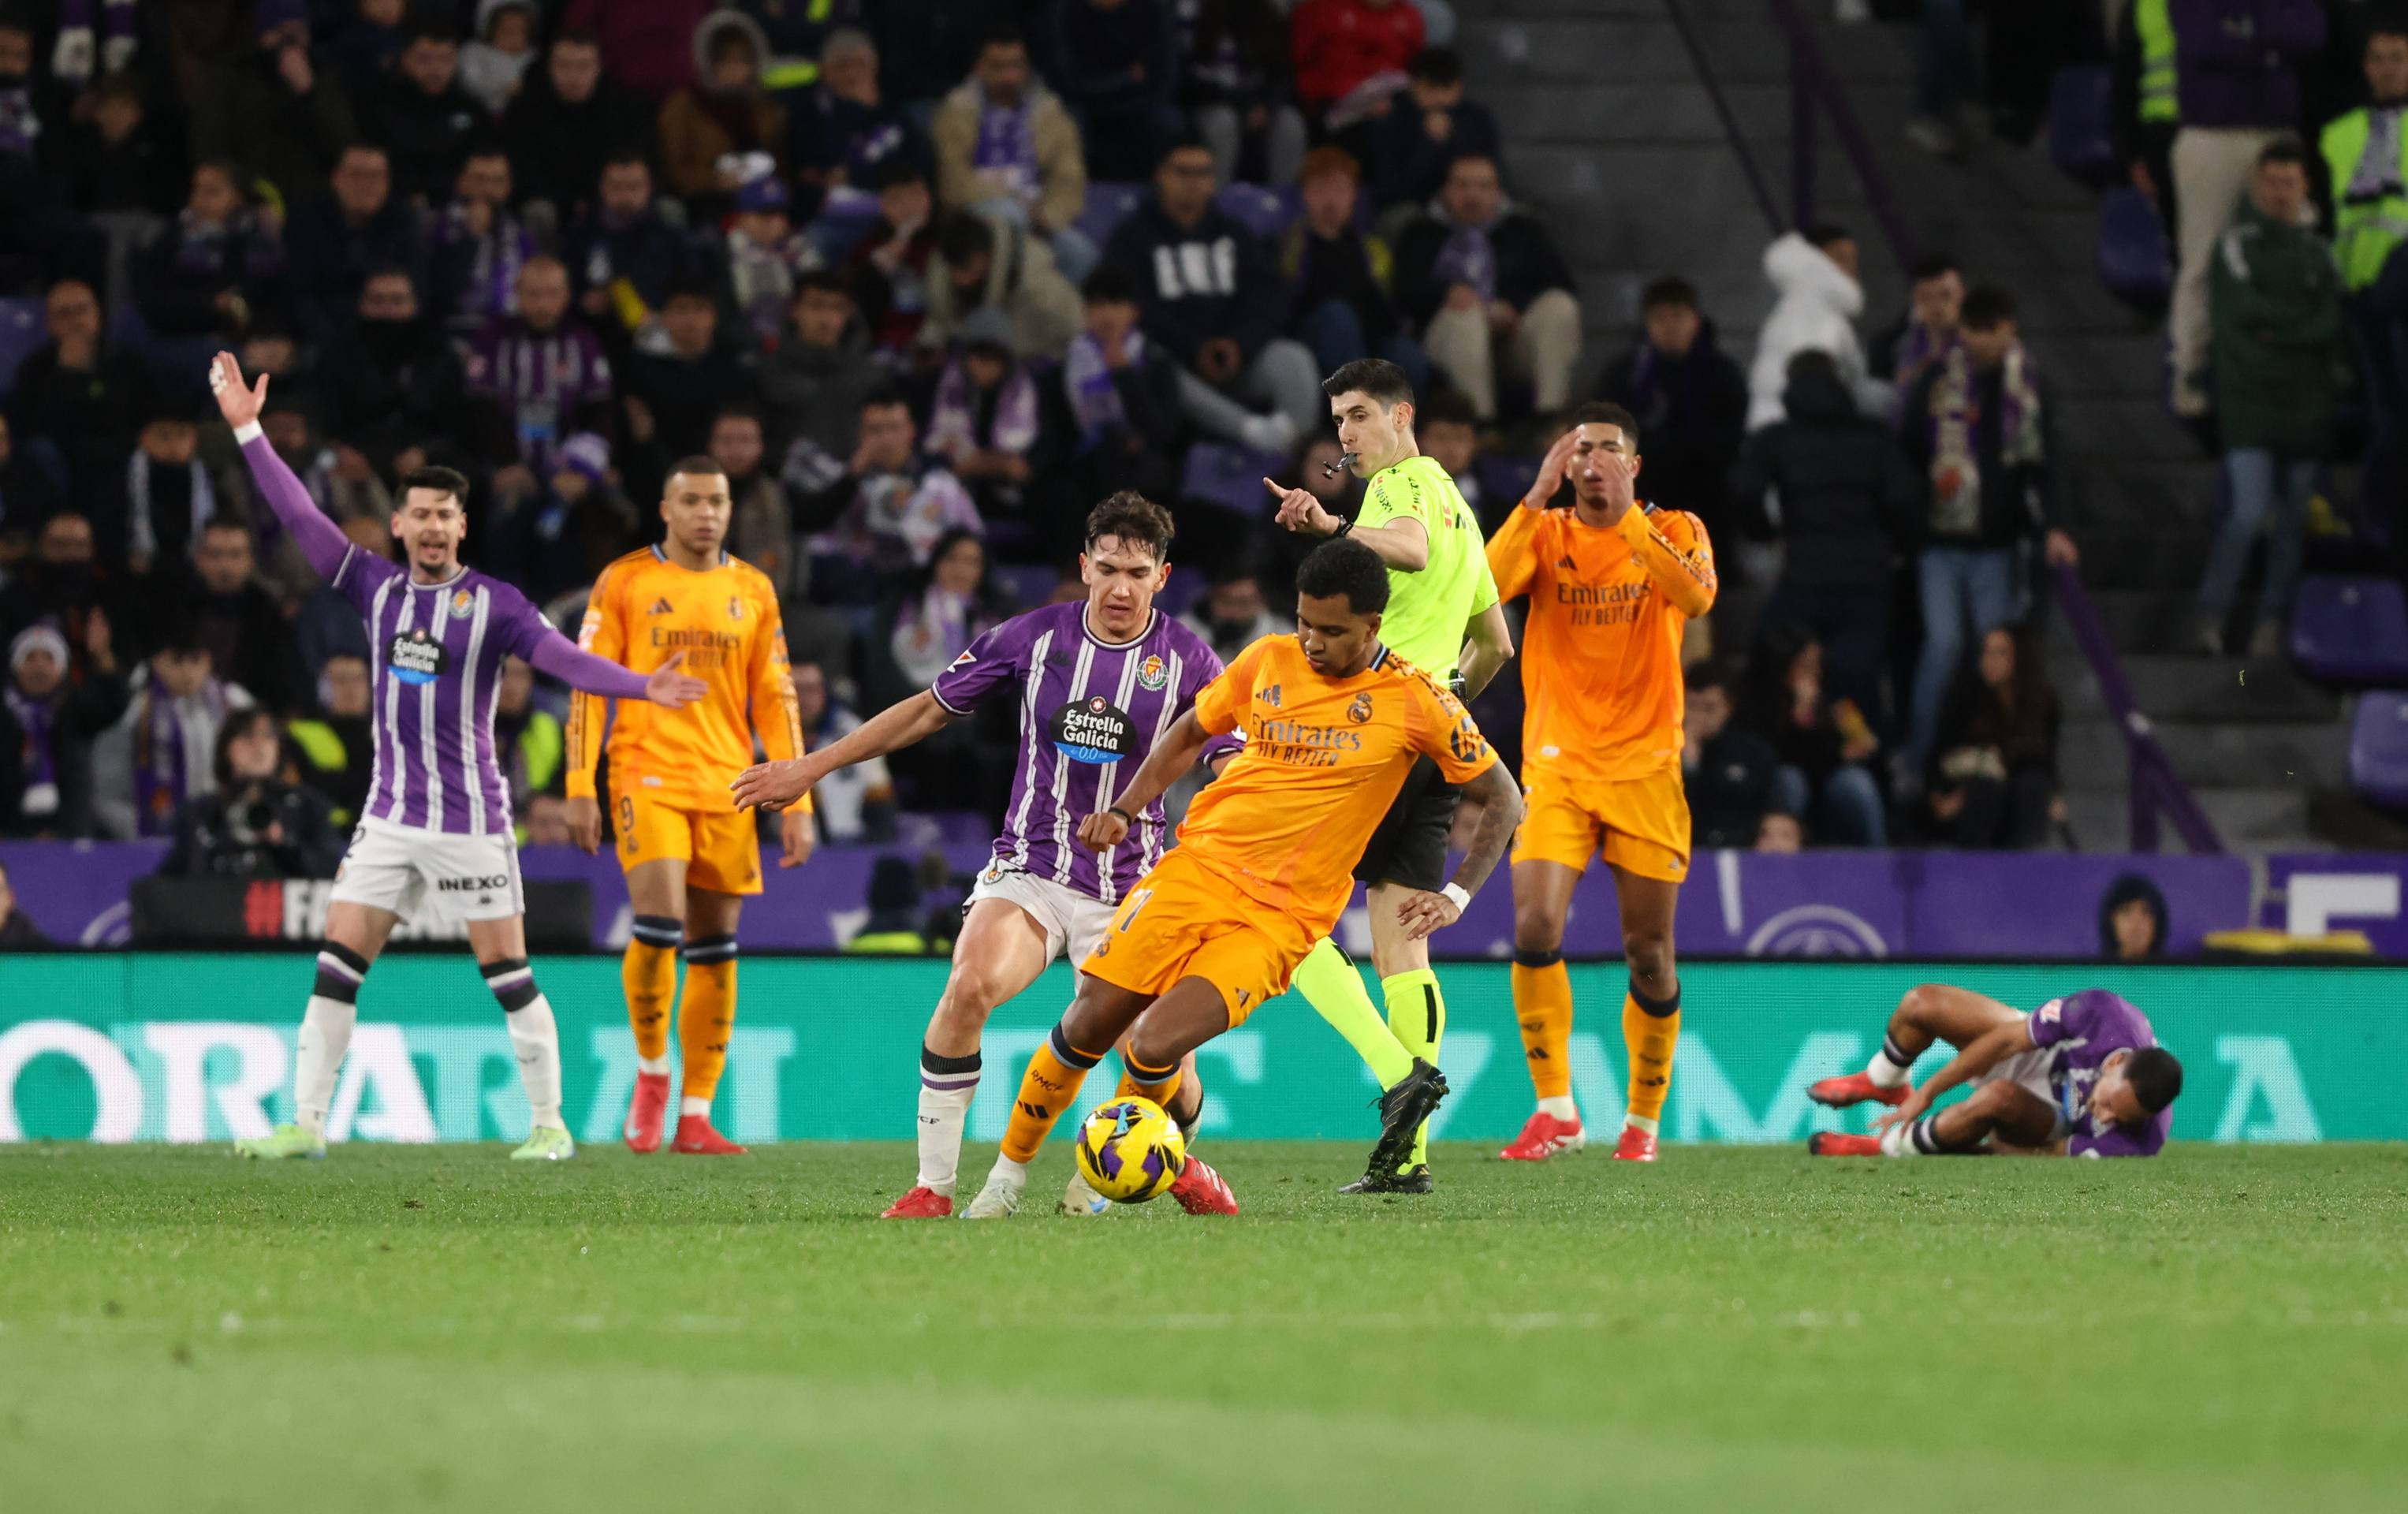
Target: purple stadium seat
pixel 2132 256
pixel 1230 477
pixel 1186 587
pixel 21 332
pixel 1504 479
pixel 1107 204
pixel 2351 630
pixel 1029 585
pixel 2378 749
pixel 1266 211
pixel 2079 136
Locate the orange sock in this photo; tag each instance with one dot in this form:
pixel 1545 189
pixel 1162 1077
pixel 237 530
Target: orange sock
pixel 1142 1082
pixel 648 972
pixel 1056 1069
pixel 708 1017
pixel 1542 1001
pixel 1650 1030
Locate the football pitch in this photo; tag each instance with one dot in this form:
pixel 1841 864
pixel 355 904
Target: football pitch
pixel 2226 1328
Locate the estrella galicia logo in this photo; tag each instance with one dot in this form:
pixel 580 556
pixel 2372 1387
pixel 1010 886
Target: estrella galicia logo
pixel 416 657
pixel 1092 730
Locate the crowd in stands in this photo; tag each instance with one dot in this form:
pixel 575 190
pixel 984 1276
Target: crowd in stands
pixel 926 278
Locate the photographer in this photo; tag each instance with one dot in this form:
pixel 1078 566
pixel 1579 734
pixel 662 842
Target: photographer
pixel 257 824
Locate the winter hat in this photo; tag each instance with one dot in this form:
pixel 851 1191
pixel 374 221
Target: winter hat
pixel 40 637
pixel 988 326
pixel 761 195
pixel 587 456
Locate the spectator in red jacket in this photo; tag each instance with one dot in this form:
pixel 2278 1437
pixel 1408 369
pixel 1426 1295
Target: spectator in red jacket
pixel 1338 45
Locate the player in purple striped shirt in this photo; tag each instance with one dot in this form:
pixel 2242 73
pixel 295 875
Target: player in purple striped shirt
pixel 2083 1074
pixel 1097 682
pixel 435 833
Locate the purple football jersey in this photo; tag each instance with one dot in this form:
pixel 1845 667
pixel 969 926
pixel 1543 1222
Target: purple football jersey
pixel 436 650
pixel 1090 712
pixel 2087 1029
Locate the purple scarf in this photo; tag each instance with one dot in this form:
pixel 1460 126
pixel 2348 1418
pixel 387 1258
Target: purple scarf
pixel 38 720
pixel 491 286
pixel 171 754
pixel 1087 382
pixel 1917 352
pixel 1468 258
pixel 952 422
pixel 1007 145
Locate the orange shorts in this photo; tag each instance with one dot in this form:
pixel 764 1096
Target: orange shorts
pixel 720 850
pixel 1182 921
pixel 1641 825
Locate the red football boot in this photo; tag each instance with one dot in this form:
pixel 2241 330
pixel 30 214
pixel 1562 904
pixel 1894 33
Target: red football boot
pixel 648 1112
pixel 1545 1136
pixel 1855 1089
pixel 1635 1145
pixel 1200 1190
pixel 920 1204
pixel 695 1138
pixel 1835 1144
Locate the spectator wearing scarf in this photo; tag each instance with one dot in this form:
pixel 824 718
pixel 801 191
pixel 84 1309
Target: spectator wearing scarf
pixel 951 605
pixel 169 495
pixel 1979 427
pixel 47 724
pixel 1005 144
pixel 480 246
pixel 1690 399
pixel 213 267
pixel 1485 279
pixel 984 419
pixel 1117 396
pixel 161 751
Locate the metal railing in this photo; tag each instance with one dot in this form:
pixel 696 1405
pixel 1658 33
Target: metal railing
pixel 2158 792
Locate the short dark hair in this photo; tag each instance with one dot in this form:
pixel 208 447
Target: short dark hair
pixel 1005 36
pixel 577 37
pixel 1441 66
pixel 897 168
pixel 1184 141
pixel 965 235
pixel 1377 377
pixel 224 521
pixel 1986 308
pixel 2284 149
pixel 620 160
pixel 1109 284
pixel 2155 1075
pixel 696 466
pixel 1669 290
pixel 1606 412
pixel 2386 22
pixel 737 411
pixel 441 480
pixel 886 396
pixel 1822 233
pixel 694 288
pixel 1133 518
pixel 428 31
pixel 1345 569
pixel 1930 265
pixel 825 282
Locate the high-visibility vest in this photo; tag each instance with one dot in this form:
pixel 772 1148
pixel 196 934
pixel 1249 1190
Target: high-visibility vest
pixel 2154 21
pixel 2366 227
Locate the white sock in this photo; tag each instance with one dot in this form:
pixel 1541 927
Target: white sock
pixel 1640 1122
pixel 1898 1140
pixel 1008 1172
pixel 318 1060
pixel 1560 1106
pixel 655 1066
pixel 942 1112
pixel 536 1037
pixel 689 1104
pixel 1887 1071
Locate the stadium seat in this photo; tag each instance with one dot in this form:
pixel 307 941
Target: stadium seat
pixel 21 332
pixel 2080 140
pixel 1106 205
pixel 2132 255
pixel 1266 211
pixel 2378 749
pixel 1230 477
pixel 2351 630
pixel 1027 584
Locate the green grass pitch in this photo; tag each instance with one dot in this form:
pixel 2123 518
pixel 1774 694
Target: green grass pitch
pixel 441 1329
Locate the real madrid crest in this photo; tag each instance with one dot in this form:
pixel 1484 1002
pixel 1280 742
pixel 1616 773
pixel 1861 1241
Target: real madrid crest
pixel 735 607
pixel 1360 711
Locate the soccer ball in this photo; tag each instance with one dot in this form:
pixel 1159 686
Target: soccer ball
pixel 1129 1150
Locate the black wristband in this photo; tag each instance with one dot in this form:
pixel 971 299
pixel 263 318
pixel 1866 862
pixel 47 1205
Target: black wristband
pixel 1343 527
pixel 1122 813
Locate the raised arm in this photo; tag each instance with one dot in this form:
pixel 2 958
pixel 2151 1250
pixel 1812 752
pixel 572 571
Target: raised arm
pixel 321 540
pixel 901 724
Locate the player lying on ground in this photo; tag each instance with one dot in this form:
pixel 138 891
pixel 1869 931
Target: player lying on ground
pixel 1333 723
pixel 435 833
pixel 1443 618
pixel 690 855
pixel 1097 683
pixel 2081 1076
pixel 1612 583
